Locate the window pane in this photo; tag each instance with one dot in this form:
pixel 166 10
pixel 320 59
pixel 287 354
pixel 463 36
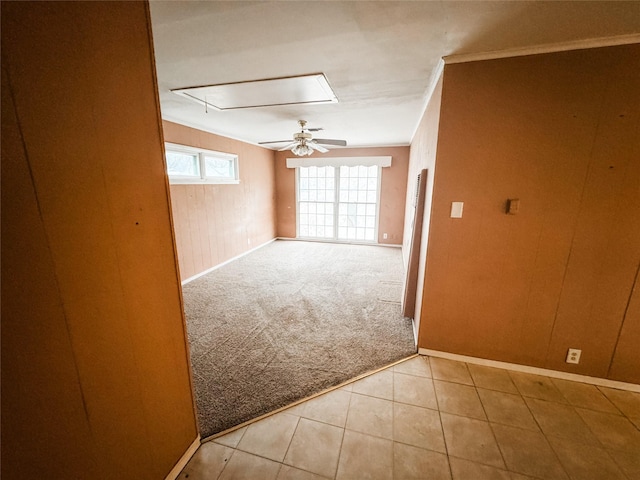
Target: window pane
pixel 218 167
pixel 182 164
pixel 330 195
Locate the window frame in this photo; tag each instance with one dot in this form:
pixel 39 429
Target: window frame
pixel 203 178
pixel 336 202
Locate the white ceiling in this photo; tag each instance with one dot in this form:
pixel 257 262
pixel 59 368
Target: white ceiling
pixel 380 57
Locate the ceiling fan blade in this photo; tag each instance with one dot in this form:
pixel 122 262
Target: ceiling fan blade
pixel 330 141
pixel 274 141
pixel 317 147
pixel 288 147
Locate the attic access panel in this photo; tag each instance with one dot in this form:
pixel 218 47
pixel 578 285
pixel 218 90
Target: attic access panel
pixel 303 89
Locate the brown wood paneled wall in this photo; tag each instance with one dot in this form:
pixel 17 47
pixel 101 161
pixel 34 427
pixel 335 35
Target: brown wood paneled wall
pixel 214 223
pixel 95 374
pixel 561 133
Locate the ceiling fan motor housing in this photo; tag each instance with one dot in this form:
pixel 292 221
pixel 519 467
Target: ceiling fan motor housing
pixel 302 136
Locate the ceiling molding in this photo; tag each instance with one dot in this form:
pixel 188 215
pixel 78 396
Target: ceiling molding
pixel 435 78
pixel 196 126
pixel 546 48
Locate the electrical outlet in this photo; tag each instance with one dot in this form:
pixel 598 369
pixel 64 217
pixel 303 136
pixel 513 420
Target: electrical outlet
pixel 573 355
pixel 384 235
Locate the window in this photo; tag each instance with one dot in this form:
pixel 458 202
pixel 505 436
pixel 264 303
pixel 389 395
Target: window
pixel 194 165
pixel 339 203
pixel 358 203
pixel 316 198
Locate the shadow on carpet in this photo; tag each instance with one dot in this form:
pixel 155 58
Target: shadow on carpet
pixel 289 320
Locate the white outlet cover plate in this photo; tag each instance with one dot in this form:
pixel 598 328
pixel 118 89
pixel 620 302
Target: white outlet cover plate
pixel 573 355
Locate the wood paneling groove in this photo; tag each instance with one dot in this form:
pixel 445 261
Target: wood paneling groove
pixel 561 132
pixel 214 223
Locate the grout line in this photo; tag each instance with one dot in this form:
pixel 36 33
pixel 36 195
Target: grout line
pixel 610 401
pixel 393 418
pixel 544 434
pixel 544 372
pixel 226 464
pixel 444 437
pixel 493 433
pixel 294 404
pixel 290 442
pixel 344 431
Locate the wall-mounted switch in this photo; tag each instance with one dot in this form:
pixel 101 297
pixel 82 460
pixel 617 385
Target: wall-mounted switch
pixel 456 209
pixel 513 205
pixel 573 355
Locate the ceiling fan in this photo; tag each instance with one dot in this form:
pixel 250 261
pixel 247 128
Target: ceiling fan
pixel 304 143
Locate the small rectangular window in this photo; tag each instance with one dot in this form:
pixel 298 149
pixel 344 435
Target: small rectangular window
pixel 193 165
pixel 182 164
pixel 218 167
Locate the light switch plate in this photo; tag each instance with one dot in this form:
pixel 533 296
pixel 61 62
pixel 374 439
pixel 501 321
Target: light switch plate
pixel 456 209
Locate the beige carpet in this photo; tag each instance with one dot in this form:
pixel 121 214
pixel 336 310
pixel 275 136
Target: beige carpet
pixel 289 320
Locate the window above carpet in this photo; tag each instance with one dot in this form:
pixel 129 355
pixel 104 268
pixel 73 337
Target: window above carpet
pixel 190 165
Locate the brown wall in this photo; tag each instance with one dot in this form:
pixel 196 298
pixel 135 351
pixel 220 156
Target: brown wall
pixel 561 133
pixel 214 223
pixel 393 190
pixel 95 379
pixel 422 155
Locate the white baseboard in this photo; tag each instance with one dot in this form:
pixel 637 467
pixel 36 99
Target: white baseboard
pixel 209 270
pixel 603 382
pixel 415 333
pixel 343 242
pixel 186 456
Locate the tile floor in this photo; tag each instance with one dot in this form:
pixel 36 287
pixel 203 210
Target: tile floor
pixel 436 419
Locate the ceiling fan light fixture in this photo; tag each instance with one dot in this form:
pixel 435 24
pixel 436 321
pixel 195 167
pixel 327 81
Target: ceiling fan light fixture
pixel 302 149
